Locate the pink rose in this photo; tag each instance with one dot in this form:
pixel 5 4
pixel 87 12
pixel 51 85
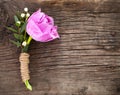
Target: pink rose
pixel 41 27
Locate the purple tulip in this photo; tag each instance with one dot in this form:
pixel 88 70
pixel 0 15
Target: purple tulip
pixel 41 27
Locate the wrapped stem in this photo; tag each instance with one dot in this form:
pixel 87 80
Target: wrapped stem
pixel 24 69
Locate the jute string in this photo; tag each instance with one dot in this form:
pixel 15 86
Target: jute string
pixel 24 66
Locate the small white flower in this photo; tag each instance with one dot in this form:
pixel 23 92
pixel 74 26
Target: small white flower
pixel 26 9
pixel 27 15
pixel 18 23
pixel 24 43
pixel 22 15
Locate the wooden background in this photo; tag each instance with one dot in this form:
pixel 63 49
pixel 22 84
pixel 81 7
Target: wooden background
pixel 84 61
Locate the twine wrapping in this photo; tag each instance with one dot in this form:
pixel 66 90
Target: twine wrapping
pixel 24 66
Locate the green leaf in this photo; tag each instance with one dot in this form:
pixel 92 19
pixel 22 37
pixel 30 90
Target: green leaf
pixel 23 27
pixel 18 44
pixel 16 18
pixel 19 37
pixel 18 14
pixel 11 29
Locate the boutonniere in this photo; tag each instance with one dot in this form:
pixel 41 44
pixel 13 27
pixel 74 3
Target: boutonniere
pixel 39 27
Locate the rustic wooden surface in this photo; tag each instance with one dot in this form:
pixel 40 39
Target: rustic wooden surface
pixel 84 61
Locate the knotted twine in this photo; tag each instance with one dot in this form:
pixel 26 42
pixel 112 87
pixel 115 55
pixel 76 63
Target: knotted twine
pixel 24 66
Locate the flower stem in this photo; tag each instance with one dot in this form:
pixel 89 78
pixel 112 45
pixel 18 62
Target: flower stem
pixel 28 86
pixel 25 49
pixel 25 35
pixel 29 40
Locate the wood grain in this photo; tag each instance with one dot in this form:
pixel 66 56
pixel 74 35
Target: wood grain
pixel 84 61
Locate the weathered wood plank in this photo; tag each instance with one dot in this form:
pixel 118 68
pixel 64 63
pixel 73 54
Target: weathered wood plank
pixel 85 61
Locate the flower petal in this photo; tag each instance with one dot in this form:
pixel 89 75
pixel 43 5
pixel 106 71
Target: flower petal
pixel 41 27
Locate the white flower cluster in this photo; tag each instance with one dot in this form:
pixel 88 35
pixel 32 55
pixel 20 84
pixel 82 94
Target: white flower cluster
pixel 26 14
